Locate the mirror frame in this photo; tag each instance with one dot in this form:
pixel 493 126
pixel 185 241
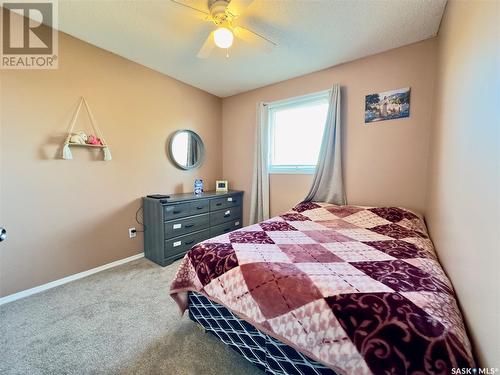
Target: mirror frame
pixel 200 142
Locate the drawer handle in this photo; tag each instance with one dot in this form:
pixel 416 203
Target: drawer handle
pixel 176 212
pixel 188 225
pixel 227 215
pixel 199 208
pixel 218 204
pixel 188 242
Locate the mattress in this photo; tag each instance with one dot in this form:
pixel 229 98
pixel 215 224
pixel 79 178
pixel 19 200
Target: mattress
pixel 356 289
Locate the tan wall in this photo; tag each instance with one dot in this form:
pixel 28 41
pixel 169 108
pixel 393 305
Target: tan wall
pixel 463 212
pixel 384 163
pixel 64 217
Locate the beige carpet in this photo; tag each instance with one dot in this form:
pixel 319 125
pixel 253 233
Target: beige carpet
pixel 119 321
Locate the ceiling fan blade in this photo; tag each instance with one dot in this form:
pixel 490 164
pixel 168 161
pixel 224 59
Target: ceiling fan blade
pixel 207 47
pixel 237 7
pixel 201 11
pixel 254 38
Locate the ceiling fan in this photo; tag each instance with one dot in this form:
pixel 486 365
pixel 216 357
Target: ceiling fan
pixel 225 15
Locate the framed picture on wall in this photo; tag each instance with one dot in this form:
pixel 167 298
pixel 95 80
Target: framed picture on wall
pixel 388 105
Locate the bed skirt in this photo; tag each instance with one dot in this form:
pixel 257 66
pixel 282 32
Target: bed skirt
pixel 267 353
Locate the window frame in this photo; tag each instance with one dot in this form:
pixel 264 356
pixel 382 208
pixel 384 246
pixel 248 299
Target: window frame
pixel 295 102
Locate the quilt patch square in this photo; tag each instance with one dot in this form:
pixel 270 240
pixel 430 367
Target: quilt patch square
pixel 319 214
pixel 423 243
pixel 402 276
pixel 309 253
pixel 251 228
pixel 337 224
pixel 282 283
pixel 212 260
pixel 308 225
pixel 366 219
pixel 415 224
pixel 432 267
pixel 250 252
pixel 345 269
pixel 276 226
pixel 396 231
pixel 330 285
pixel 393 214
pixel 223 238
pixel 230 285
pixel 250 237
pixel 291 237
pixel 305 206
pixel 400 249
pixel 365 284
pixel 292 216
pixel 315 268
pixel 362 234
pixel 411 339
pixel 327 236
pixel 362 255
pixel 443 307
pixel 353 250
pixel 312 325
pixel 343 211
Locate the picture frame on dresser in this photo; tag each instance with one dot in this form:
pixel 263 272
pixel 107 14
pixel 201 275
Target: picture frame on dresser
pixel 221 185
pixel 175 224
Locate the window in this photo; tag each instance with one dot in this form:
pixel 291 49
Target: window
pixel 295 132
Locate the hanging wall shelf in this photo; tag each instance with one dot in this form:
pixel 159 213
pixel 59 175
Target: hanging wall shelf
pixel 72 139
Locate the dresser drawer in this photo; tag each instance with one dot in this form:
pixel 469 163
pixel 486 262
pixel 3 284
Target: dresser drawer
pixel 182 244
pixel 217 230
pixel 179 227
pixel 225 202
pixel 199 207
pixel 174 211
pixel 223 216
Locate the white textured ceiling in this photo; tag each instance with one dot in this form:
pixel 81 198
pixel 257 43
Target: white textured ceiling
pixel 311 35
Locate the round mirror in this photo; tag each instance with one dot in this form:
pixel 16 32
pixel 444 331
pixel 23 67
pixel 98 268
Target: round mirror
pixel 186 149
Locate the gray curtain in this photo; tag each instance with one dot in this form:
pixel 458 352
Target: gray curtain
pixel 259 200
pixel 328 185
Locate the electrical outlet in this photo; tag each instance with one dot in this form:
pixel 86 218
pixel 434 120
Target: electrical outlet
pixel 132 232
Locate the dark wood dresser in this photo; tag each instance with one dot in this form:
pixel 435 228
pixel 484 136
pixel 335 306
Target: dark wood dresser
pixel 173 225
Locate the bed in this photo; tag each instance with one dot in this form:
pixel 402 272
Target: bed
pixel 327 289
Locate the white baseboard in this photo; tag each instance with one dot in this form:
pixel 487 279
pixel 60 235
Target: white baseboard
pixel 67 279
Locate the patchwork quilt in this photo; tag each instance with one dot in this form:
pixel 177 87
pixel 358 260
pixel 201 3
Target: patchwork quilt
pixel 358 289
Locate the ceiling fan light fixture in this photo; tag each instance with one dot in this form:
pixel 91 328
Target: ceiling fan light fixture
pixel 223 37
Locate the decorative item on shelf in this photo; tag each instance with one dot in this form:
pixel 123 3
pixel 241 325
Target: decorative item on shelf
pixel 221 185
pixel 93 140
pixel 198 186
pixel 81 138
